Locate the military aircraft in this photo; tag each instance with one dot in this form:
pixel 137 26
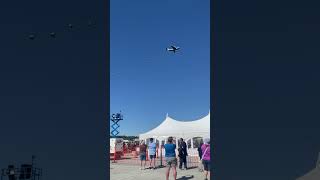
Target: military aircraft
pixel 32 36
pixel 53 34
pixel 173 48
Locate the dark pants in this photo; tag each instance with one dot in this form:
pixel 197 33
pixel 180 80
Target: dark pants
pixel 183 160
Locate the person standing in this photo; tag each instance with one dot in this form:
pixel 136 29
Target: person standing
pixel 170 156
pixel 200 156
pixel 143 152
pixel 152 153
pixel 206 157
pixel 183 154
pixel 200 151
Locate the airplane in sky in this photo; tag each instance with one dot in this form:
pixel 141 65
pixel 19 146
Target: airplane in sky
pixel 173 48
pixel 53 34
pixel 32 36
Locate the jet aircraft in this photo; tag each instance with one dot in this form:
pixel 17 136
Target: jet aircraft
pixel 32 36
pixel 53 34
pixel 173 49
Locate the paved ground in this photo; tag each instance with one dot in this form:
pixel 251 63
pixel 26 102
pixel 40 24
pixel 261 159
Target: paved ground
pixel 133 172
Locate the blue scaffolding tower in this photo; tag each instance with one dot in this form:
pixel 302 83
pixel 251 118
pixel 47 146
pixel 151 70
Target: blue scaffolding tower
pixel 115 118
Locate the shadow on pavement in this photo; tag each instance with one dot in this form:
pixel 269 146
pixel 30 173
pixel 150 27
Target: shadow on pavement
pixel 185 177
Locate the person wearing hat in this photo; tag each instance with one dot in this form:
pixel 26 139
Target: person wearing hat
pixel 206 157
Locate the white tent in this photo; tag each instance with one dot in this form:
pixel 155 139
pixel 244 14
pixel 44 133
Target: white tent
pixel 179 129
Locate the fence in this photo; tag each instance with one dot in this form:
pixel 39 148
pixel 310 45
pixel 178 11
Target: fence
pixel 134 159
pixel 130 156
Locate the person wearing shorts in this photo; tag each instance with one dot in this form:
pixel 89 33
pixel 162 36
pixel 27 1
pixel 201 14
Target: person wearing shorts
pixel 143 152
pixel 170 155
pixel 206 157
pixel 206 165
pixel 152 153
pixel 152 156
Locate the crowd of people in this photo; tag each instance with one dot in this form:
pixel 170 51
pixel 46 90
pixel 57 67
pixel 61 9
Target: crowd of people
pixel 171 157
pixel 128 147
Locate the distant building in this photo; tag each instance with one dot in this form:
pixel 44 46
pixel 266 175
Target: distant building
pixel 314 174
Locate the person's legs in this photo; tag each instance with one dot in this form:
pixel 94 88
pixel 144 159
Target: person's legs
pixel 185 162
pixel 141 159
pixel 174 166
pixel 180 162
pixel 154 162
pixel 150 157
pixel 174 172
pixel 167 173
pixel 206 168
pixel 144 166
pixel 206 174
pixel 209 169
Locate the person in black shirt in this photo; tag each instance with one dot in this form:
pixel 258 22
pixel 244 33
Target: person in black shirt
pixel 200 151
pixel 200 167
pixel 183 154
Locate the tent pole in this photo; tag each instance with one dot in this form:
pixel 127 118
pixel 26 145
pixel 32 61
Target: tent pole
pixel 192 143
pixel 161 145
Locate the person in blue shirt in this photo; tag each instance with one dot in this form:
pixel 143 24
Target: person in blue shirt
pixel 170 155
pixel 152 153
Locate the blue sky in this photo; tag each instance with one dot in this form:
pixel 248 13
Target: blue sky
pixel 146 81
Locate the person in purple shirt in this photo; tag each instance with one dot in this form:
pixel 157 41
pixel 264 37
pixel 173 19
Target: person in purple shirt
pixel 206 157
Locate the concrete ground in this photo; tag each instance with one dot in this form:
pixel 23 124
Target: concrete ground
pixel 133 172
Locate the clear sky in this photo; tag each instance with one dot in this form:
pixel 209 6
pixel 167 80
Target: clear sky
pixel 146 81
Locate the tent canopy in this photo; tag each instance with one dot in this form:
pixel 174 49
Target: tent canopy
pixel 180 129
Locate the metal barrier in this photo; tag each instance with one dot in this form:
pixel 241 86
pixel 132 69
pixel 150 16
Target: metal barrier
pixel 130 159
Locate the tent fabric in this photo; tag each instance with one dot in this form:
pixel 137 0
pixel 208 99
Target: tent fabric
pixel 180 129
